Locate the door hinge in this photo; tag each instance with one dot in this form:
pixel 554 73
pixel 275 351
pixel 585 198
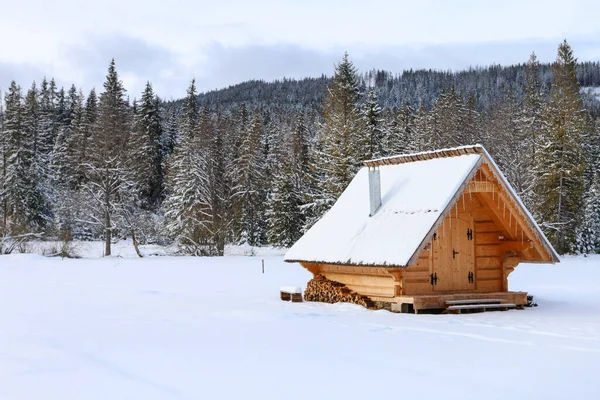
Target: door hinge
pixel 471 277
pixel 433 278
pixel 470 234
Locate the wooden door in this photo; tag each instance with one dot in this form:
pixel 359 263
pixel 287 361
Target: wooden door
pixel 441 275
pixel 453 264
pixel 463 261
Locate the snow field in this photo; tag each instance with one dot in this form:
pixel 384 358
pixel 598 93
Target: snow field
pixel 214 328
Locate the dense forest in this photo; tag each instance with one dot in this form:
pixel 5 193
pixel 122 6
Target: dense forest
pixel 260 162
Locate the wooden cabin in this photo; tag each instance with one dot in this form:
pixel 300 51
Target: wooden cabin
pixel 431 230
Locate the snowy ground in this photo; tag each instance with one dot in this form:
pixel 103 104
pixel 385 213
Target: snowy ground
pixel 214 328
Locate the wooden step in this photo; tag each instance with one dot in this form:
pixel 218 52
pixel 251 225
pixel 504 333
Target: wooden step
pixel 481 306
pixel 473 301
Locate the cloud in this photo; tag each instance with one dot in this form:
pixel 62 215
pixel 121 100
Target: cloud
pixel 22 73
pixel 137 61
pixel 226 65
pixel 216 65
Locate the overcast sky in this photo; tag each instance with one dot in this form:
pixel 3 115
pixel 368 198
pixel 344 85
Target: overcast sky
pixel 228 41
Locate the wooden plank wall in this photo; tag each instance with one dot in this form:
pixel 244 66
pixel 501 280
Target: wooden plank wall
pixel 488 257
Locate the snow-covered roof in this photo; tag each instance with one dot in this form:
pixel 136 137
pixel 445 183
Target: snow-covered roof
pixel 416 191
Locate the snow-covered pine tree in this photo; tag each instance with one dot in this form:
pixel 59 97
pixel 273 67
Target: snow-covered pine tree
pixel 448 115
pixel 472 133
pixel 82 139
pixel 373 123
pixel 561 163
pixel 37 184
pixel 299 150
pixel 3 156
pixel 504 139
pixel 187 206
pixel 146 154
pixel 63 163
pixel 19 185
pixel 402 137
pixel 65 166
pixel 424 129
pixel 530 124
pixel 250 186
pixel 284 215
pixel 219 187
pixel 234 125
pixel 170 133
pixel 588 232
pixel 14 164
pixel 49 119
pixel 344 142
pixel 109 180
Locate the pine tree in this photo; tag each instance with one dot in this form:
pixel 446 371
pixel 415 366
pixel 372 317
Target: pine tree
pixel 424 129
pixel 284 215
pixel 472 127
pixel 374 126
pixel 65 167
pixel 108 177
pixel 561 164
pixel 344 143
pixel 49 119
pixel 170 134
pixel 250 186
pixel 63 153
pixel 146 153
pixel 187 206
pixel 219 188
pixel 449 115
pixel 505 140
pixel 83 138
pixel 36 183
pixel 3 161
pixel 530 124
pixel 18 191
pixel 402 137
pixel 588 233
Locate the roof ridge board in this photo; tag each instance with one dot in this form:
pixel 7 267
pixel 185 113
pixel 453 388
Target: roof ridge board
pixel 426 155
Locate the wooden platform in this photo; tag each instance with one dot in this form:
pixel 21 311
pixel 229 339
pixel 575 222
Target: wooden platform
pixel 442 301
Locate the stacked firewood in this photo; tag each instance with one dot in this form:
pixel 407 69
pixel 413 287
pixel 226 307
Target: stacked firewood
pixel 327 291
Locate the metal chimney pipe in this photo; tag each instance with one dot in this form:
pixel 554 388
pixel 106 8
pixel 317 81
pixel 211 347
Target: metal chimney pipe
pixel 374 190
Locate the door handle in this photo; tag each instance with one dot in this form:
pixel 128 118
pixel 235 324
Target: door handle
pixel 454 253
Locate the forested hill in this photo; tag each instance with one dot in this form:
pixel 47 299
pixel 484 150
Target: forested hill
pixel 412 87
